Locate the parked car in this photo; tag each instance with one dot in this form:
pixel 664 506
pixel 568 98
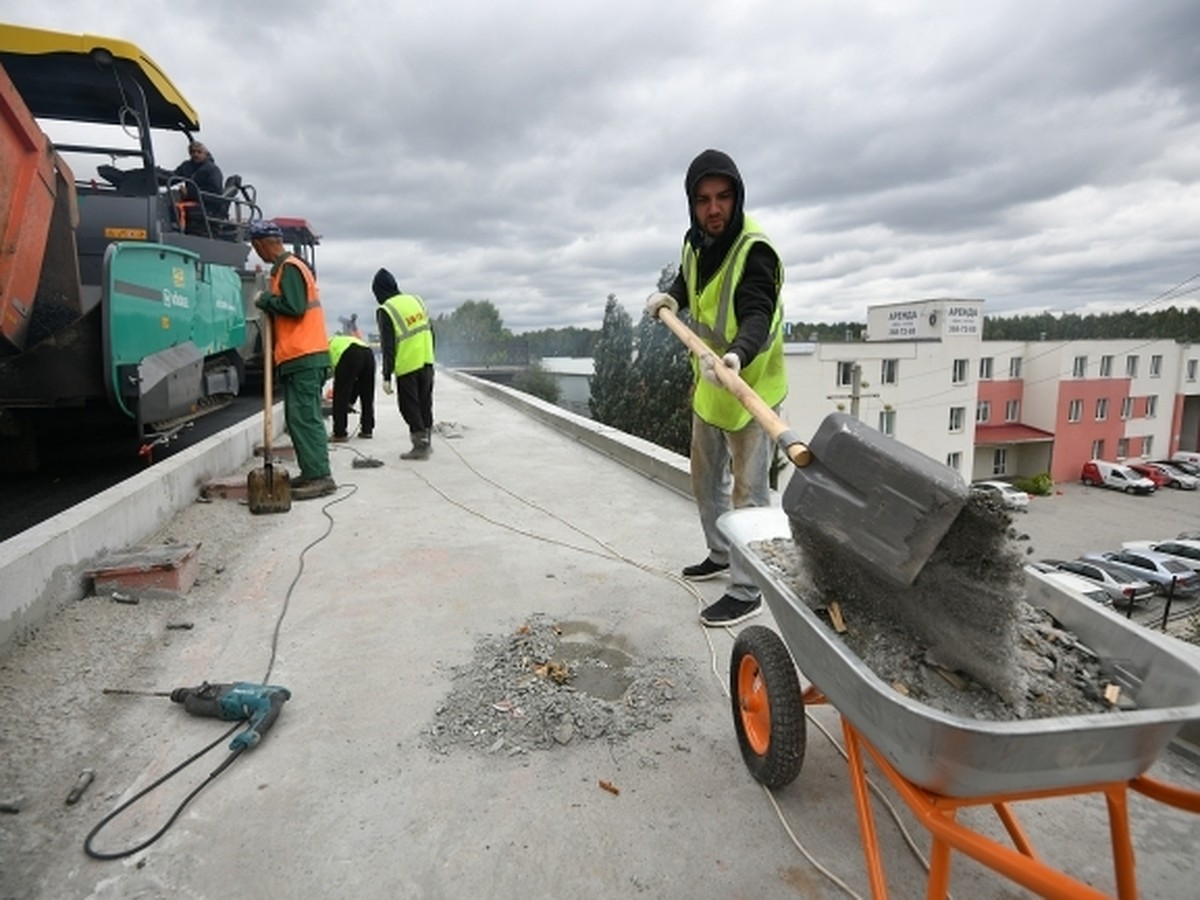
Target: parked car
pixel 1166 475
pixel 1115 476
pixel 1186 550
pixel 1191 457
pixel 1159 479
pixel 1038 578
pixel 1182 465
pixel 1120 586
pixel 1167 574
pixel 1008 496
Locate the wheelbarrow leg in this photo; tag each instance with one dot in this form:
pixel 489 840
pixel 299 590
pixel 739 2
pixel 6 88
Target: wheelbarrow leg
pixel 1122 844
pixel 866 819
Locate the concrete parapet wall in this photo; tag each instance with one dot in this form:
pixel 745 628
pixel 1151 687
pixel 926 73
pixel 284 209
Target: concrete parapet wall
pixel 41 569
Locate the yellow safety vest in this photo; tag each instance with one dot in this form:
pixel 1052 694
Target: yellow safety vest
pixel 338 344
pixel 414 332
pixel 715 321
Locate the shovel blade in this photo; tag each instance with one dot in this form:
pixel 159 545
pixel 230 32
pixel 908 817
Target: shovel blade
pixel 268 490
pixel 881 501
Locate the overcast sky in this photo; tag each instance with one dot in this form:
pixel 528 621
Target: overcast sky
pixel 1038 155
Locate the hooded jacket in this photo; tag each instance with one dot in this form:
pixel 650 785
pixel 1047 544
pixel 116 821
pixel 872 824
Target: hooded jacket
pixel 405 332
pixel 757 293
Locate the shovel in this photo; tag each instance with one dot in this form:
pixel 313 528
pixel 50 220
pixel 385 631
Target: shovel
pixel 268 490
pixel 883 502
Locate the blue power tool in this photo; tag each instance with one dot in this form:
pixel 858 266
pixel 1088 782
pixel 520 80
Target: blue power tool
pixel 259 703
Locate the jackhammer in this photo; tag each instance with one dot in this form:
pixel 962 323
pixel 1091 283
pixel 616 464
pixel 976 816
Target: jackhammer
pixel 260 703
pixel 233 702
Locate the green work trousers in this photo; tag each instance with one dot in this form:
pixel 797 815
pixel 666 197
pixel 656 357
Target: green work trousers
pixel 305 420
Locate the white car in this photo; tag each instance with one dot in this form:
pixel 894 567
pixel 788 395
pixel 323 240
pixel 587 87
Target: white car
pixel 1186 550
pixel 1009 496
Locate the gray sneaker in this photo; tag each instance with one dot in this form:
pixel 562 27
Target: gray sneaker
pixel 730 611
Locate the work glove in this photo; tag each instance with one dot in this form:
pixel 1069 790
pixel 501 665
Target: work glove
pixel 658 300
pixel 708 366
pixel 387 387
pixel 261 301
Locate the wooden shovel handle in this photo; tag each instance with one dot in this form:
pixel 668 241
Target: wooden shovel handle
pixel 268 386
pixel 797 451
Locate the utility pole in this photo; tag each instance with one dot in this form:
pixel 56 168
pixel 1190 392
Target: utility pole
pixel 856 393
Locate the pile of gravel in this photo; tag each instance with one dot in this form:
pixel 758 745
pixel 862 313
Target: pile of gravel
pixel 542 687
pixel 961 638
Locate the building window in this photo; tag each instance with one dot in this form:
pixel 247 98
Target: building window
pixel 1122 448
pixel 1191 370
pixel 1156 366
pixel 1131 366
pixel 887 422
pixel 958 374
pixel 1014 367
pixel 1098 449
pixel 954 460
pixel 985 368
pixel 958 417
pixel 1126 407
pixel 1106 366
pixel 845 374
pixel 1148 445
pixel 1101 409
pixel 1074 410
pixel 1151 406
pixel 1080 368
pixel 1012 411
pixel 1000 461
pixel 983 411
pixel 889 371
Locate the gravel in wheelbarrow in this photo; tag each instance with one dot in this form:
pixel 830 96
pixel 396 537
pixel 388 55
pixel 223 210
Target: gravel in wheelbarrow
pixel 999 728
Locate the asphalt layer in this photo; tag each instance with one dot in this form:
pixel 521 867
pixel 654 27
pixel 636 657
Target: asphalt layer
pixel 366 605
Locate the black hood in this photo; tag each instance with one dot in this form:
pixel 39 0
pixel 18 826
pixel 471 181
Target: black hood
pixel 714 162
pixel 384 286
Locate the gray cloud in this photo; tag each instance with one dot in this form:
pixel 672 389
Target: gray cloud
pixel 1037 155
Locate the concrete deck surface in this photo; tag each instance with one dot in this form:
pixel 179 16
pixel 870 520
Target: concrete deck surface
pixel 399 578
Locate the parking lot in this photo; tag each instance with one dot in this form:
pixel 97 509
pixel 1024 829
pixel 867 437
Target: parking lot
pixel 1078 519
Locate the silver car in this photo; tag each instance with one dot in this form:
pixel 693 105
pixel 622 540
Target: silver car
pixel 1120 586
pixel 1166 573
pixel 1186 550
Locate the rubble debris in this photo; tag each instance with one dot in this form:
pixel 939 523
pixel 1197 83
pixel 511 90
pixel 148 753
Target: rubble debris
pixel 521 693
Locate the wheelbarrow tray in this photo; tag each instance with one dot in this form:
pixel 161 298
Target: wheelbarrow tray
pixel 961 756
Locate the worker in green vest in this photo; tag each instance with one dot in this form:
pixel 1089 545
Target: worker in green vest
pixel 406 340
pixel 730 278
pixel 353 380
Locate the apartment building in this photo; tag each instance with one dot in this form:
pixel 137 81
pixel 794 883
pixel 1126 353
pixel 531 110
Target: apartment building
pixel 999 409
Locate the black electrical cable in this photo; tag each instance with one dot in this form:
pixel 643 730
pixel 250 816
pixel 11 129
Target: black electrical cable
pixel 96 854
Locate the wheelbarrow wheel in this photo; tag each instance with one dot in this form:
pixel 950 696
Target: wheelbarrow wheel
pixel 768 709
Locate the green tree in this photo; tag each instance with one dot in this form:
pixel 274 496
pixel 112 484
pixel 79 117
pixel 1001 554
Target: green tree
pixel 644 393
pixel 473 333
pixel 611 383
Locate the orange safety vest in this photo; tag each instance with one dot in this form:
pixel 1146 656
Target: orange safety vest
pixel 299 336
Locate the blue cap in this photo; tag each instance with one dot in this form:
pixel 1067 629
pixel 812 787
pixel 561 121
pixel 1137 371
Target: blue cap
pixel 264 228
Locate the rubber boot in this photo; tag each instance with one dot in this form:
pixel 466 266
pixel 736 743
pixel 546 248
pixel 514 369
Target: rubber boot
pixel 421 447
